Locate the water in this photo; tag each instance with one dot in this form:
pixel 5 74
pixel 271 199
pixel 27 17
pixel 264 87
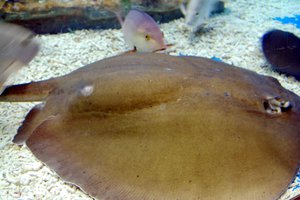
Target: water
pixel 232 37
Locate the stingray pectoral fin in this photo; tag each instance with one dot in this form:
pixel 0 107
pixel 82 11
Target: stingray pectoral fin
pixel 34 91
pixel 33 119
pixel 27 127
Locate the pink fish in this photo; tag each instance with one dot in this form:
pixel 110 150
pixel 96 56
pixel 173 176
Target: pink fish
pixel 141 32
pixel 17 48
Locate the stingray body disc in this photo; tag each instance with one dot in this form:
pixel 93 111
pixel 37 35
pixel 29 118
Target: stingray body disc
pixel 160 127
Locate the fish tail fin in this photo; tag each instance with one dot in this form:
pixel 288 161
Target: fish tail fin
pixel 34 91
pixel 119 16
pixel 183 8
pixel 117 9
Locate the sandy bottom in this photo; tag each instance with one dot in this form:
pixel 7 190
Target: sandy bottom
pixel 233 37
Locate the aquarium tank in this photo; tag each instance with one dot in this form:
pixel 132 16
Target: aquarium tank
pixel 154 100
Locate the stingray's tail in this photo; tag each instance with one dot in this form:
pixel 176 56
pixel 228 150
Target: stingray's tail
pixel 34 91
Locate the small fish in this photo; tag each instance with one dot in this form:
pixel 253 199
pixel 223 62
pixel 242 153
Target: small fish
pixel 197 11
pixel 17 48
pixel 141 32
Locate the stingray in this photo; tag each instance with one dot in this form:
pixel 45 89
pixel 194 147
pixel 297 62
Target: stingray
pixel 154 126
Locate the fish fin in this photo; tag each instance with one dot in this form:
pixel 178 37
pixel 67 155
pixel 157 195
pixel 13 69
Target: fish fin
pixel 167 46
pixel 34 91
pixel 119 17
pixel 130 51
pixel 183 9
pixel 34 118
pixel 27 127
pixel 170 45
pixel 17 48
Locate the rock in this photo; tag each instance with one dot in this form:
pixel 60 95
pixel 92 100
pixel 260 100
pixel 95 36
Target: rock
pixel 56 16
pixel 62 16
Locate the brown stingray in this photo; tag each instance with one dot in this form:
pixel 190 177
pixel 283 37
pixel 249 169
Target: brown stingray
pixel 153 126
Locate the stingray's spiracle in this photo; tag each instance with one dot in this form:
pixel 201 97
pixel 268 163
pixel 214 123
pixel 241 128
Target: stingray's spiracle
pixel 276 105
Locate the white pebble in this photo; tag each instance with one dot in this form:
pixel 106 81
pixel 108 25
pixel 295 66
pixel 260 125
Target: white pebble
pixel 35 166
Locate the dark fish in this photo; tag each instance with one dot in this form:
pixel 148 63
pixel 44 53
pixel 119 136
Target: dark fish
pixel 17 48
pixel 282 51
pixel 296 198
pixel 153 126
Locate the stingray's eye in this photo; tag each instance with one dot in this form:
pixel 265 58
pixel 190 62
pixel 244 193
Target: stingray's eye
pixel 147 37
pixel 196 13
